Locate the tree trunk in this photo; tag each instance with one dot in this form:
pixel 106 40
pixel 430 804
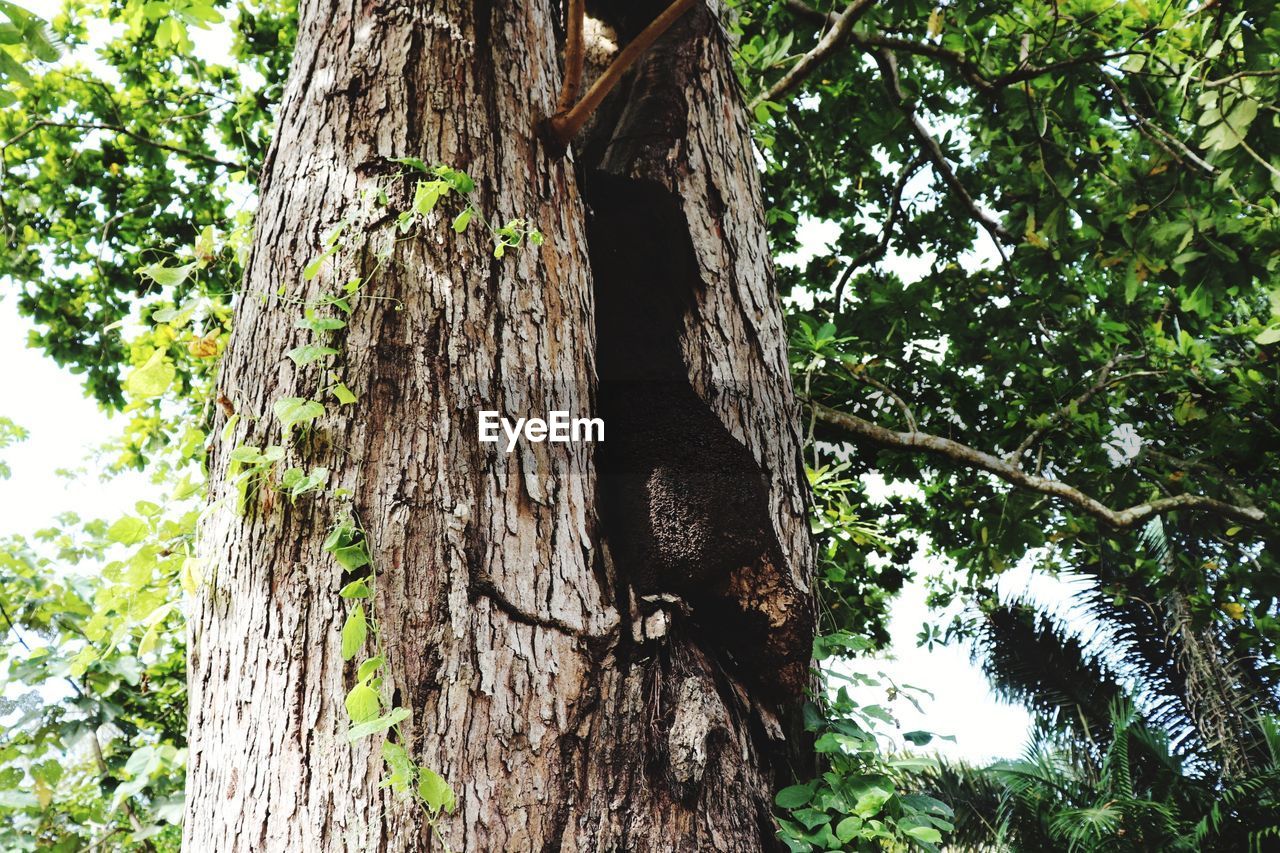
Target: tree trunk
pixel 600 645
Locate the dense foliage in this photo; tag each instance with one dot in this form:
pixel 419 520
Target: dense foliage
pixel 1050 307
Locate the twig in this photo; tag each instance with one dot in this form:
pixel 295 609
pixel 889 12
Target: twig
pixel 1238 494
pixel 1104 374
pixel 861 376
pixel 864 430
pixel 105 773
pixel 1222 81
pixel 1153 128
pixel 968 69
pixel 874 253
pixel 94 845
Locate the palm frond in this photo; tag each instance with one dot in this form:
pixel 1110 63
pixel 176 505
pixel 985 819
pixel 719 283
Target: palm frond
pixel 1032 659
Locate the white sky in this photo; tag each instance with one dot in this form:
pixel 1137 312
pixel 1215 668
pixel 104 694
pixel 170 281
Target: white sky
pixel 65 426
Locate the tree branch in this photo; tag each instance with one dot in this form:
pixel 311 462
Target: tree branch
pixel 833 39
pixel 888 65
pixel 1104 374
pixel 105 774
pixel 1222 81
pixel 866 42
pixel 859 372
pixel 574 55
pixel 1238 494
pixel 877 251
pixel 136 137
pixel 968 69
pixel 562 127
pixel 1155 132
pixel 863 430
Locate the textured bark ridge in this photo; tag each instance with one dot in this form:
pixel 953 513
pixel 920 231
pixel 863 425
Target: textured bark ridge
pixel 576 698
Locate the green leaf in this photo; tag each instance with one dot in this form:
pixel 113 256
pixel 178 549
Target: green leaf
pixel 351 557
pixel 355 589
pixel 369 667
pixel 141 762
pixel 412 163
pixel 795 796
pixel 151 379
pixel 1269 335
pixel 399 764
pixel 246 454
pixel 362 703
pixel 460 223
pixel 308 353
pixel 191 575
pixel 321 324
pixel 354 632
pixel 927 834
pixel 128 530
pixel 847 829
pixel 295 411
pixel 871 801
pixel 312 269
pixel 340 535
pixel 149 640
pixel 426 194
pixel 167 276
pixel 435 791
pixel 374 726
pixel 344 395
pixel 229 429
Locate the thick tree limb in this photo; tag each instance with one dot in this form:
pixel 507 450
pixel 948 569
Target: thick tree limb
pixel 863 430
pixel 835 38
pixel 565 124
pixel 574 55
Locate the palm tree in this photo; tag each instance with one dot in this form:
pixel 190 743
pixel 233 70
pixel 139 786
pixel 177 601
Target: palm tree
pixel 1118 759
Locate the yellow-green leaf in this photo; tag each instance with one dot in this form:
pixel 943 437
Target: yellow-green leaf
pixel 362 703
pixel 435 791
pixel 354 632
pixel 151 379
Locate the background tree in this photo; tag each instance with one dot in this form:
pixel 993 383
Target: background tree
pixel 1110 362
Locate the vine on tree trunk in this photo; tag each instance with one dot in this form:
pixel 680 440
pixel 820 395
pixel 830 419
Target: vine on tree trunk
pixel 253 469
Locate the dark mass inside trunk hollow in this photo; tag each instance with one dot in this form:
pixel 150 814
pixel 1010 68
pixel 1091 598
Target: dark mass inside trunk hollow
pixel 683 503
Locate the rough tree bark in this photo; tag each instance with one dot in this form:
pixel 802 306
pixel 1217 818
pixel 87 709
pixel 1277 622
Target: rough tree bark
pixel 600 646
